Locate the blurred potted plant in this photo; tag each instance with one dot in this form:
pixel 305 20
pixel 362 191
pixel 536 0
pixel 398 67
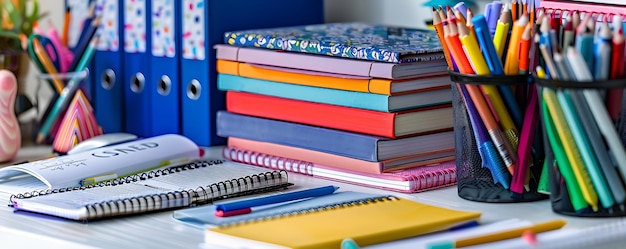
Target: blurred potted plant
pixel 17 20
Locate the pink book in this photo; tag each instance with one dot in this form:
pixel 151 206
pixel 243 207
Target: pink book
pixel 411 180
pixel 329 64
pixel 341 162
pixel 587 6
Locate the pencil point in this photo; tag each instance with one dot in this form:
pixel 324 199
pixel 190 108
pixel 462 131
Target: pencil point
pixel 40 139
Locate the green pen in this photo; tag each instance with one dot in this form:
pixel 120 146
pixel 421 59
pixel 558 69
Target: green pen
pixel 578 201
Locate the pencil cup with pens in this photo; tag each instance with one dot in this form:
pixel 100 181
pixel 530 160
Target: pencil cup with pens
pixel 489 157
pixel 582 78
pixel 499 154
pixel 587 160
pixel 69 116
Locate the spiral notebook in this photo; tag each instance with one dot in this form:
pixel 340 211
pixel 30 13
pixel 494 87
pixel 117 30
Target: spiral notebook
pixel 411 180
pixel 187 185
pixel 367 221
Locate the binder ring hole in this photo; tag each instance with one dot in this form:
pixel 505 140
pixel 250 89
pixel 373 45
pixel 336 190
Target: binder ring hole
pixel 164 86
pixel 137 83
pixel 193 89
pixel 108 79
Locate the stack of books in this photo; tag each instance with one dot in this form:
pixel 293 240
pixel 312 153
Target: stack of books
pixel 353 102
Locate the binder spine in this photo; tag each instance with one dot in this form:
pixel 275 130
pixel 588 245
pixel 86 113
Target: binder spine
pixel 267 161
pixel 203 194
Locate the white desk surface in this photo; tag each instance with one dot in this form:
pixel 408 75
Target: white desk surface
pixel 160 230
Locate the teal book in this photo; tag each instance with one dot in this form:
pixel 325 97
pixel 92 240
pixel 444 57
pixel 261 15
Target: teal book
pixel 361 100
pixel 349 40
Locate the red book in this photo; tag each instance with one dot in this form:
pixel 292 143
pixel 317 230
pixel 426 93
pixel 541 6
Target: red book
pixel 391 125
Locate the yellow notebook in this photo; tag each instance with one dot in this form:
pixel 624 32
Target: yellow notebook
pixel 366 222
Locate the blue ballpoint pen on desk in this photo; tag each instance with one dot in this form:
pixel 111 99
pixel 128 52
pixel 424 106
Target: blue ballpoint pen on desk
pixel 491 158
pixel 66 95
pixel 245 206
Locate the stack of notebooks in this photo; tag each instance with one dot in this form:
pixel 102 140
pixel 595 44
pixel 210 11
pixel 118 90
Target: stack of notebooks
pixel 353 102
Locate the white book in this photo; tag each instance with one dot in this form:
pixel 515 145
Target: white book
pixel 99 164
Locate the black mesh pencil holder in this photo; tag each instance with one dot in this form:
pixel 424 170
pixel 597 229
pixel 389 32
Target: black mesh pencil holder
pixel 585 132
pixel 475 180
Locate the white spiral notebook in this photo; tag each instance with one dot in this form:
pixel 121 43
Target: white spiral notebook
pixel 187 185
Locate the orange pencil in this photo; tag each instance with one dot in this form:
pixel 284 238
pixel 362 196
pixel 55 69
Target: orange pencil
pixel 513 10
pixel 511 65
pixel 438 25
pixel 46 62
pixel 66 27
pixel 524 49
pixel 454 44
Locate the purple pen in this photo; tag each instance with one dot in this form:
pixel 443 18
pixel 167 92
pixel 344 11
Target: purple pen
pixel 461 8
pixel 489 154
pixel 492 14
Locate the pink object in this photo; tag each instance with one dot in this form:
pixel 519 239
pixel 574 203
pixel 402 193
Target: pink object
pixel 10 136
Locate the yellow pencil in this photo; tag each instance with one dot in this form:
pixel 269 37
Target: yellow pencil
pixel 491 92
pixel 502 32
pixel 503 235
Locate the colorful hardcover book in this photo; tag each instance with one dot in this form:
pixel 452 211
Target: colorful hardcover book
pixel 342 143
pixel 334 81
pixel 361 100
pixel 329 64
pixel 391 125
pixel 349 40
pixel 342 162
pixel 411 180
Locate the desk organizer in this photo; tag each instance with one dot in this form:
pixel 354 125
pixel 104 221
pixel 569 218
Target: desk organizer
pixel 475 180
pixel 586 131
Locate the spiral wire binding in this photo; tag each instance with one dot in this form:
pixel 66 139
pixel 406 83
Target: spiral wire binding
pixel 257 183
pixel 426 181
pixel 322 208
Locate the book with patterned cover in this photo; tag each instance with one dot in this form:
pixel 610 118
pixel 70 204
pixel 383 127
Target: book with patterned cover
pixel 411 180
pixel 187 185
pixel 349 40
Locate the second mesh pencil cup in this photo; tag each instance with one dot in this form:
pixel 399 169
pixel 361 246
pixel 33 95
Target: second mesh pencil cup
pixel 585 128
pixel 489 115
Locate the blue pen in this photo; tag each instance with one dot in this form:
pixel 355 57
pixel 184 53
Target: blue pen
pixel 349 243
pixel 495 66
pixel 602 53
pixel 491 158
pixel 272 199
pixel 584 45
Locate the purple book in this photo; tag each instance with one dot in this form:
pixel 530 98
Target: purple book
pixel 434 65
